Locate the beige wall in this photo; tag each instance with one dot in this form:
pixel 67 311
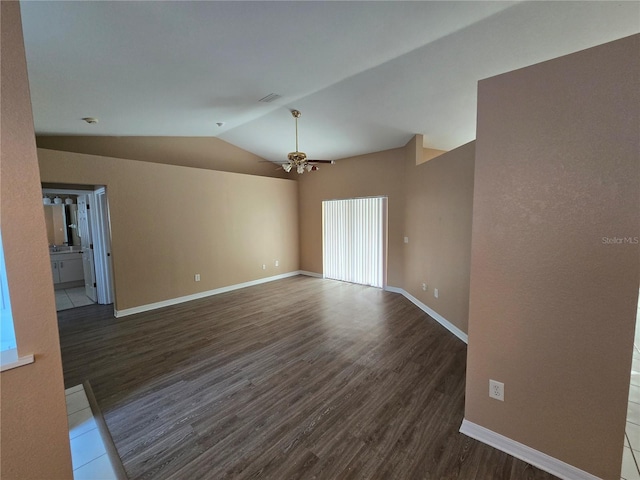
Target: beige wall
pixel 429 201
pixel 33 417
pixel 440 191
pixel 169 223
pixel 552 307
pixel 439 201
pixel 199 152
pixel 376 174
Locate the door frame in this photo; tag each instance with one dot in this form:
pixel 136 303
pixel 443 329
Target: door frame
pixel 85 229
pixel 101 236
pixel 100 228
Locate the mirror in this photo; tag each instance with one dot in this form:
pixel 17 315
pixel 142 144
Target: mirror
pixel 61 222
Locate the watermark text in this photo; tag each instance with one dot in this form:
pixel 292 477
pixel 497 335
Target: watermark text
pixel 620 240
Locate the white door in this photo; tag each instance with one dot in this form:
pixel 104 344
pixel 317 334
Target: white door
pixel 84 231
pixel 102 243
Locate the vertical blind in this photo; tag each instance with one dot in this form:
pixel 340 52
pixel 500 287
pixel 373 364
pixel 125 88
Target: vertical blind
pixel 353 240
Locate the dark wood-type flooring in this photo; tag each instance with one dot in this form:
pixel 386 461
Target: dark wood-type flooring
pixel 299 378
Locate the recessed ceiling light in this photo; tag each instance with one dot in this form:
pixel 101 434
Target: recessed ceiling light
pixel 90 120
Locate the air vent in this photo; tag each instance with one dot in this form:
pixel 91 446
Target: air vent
pixel 270 98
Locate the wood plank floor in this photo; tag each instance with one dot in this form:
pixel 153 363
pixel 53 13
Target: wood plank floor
pixel 300 378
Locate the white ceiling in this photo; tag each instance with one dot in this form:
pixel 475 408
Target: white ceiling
pixel 366 76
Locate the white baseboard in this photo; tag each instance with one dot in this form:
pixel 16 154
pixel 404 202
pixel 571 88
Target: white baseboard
pixel 432 313
pixel 527 454
pixel 208 293
pixel 310 274
pixel 391 289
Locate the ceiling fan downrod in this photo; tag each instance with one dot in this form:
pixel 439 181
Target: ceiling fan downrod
pixel 297 159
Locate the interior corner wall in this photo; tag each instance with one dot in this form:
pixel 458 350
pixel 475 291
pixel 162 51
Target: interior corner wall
pixel 34 432
pixel 170 222
pixel 439 204
pixel 375 174
pixel 210 153
pixel 554 262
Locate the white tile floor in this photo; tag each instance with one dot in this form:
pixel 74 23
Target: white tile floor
pixel 71 298
pixel 631 454
pixel 88 453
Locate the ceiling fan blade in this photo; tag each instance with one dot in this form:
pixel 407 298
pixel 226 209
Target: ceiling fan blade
pixel 330 162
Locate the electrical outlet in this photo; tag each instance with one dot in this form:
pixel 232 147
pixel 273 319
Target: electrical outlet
pixel 496 390
pixel 424 287
pixel 435 292
pixel 264 267
pixel 197 277
pixel 277 263
pixel 406 239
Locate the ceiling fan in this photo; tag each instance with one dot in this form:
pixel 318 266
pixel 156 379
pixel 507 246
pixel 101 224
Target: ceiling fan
pixel 298 159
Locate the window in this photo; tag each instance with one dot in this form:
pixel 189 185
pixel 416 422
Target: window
pixel 9 348
pixel 7 333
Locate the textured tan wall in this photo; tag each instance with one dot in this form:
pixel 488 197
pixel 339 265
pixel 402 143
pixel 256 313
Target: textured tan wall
pixel 429 201
pixel 169 223
pixel 199 152
pixel 33 416
pixel 439 204
pixel 552 308
pixel 376 174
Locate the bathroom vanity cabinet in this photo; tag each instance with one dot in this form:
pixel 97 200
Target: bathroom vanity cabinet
pixel 67 267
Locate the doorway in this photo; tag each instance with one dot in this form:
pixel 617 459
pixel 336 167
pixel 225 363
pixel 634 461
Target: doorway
pixel 354 240
pixel 631 452
pixel 79 245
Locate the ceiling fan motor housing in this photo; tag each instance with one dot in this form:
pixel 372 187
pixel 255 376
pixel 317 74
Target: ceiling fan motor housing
pixel 297 157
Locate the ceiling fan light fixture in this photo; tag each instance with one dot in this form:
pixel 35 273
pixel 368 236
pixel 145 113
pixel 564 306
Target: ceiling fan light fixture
pixel 299 159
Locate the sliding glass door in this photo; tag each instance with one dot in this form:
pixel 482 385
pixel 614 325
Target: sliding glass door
pixel 354 237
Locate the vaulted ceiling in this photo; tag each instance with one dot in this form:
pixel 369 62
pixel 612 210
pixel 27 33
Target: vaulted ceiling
pixel 366 76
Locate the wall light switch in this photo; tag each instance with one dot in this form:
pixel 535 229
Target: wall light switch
pixel 197 277
pixel 435 292
pixel 277 263
pixel 264 267
pixel 406 239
